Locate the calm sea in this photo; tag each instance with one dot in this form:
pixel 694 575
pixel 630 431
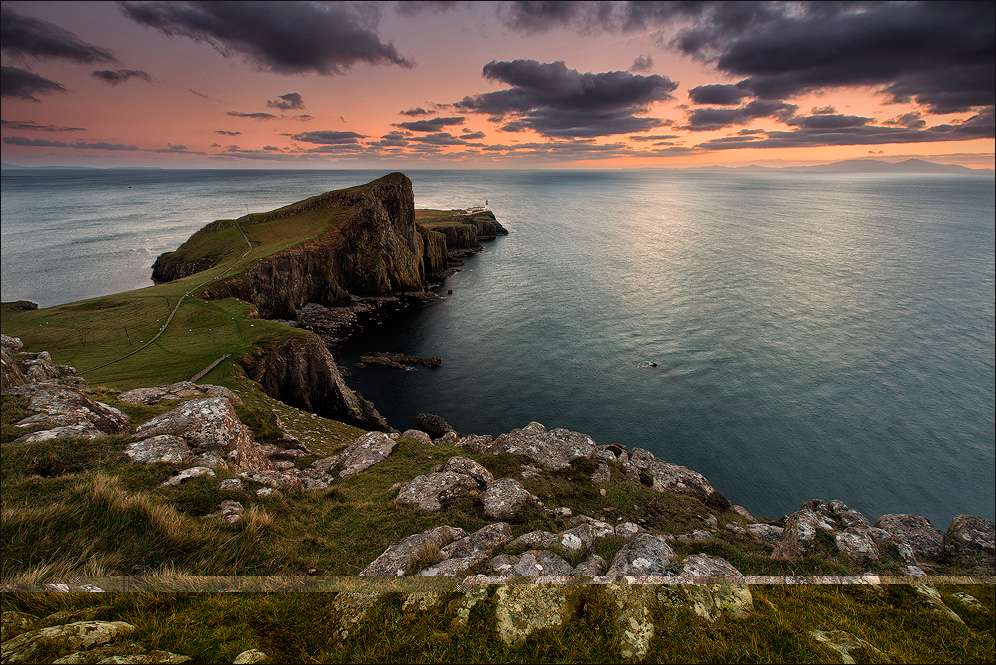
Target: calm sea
pixel 790 336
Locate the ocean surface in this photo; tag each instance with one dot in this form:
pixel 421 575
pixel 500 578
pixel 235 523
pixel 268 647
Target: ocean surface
pixel 789 336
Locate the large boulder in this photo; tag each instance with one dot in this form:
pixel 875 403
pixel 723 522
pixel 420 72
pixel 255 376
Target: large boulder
pixel 167 448
pixel 645 554
pixel 62 406
pixel 435 426
pixel 531 564
pixel 470 468
pixel 523 609
pixel 402 555
pixel 11 375
pixel 705 565
pixel 671 478
pixel 849 530
pixel 554 450
pixel 176 391
pixel 62 640
pixel 471 550
pixel 428 491
pixel 925 539
pixel 970 541
pixel 367 450
pixel 212 431
pixel 506 498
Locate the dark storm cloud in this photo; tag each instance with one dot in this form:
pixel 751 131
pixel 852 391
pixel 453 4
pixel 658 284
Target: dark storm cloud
pixel 938 54
pixel 471 136
pixel 643 63
pixel 20 84
pixel 909 120
pixel 718 93
pixel 289 102
pixel 391 140
pixel 327 137
pixel 827 121
pixel 977 127
pixel 116 76
pixel 285 37
pixel 254 116
pixel 79 145
pixel 26 37
pixel 710 119
pixel 560 102
pixel 23 125
pixel 415 112
pixel 432 125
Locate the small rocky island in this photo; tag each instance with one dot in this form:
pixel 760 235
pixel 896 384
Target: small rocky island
pixel 271 475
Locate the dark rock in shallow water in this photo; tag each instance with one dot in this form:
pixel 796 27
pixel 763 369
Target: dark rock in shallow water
pixel 432 424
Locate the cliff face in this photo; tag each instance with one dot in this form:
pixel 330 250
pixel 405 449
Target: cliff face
pixel 302 373
pixel 375 251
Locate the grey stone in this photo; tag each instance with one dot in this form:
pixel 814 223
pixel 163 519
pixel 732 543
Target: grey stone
pixel 602 529
pixel 710 601
pixel 669 477
pixel 590 567
pixel 402 555
pixel 83 431
pixel 531 564
pixel 62 640
pixel 553 450
pixel 505 499
pixel 646 554
pixel 844 643
pixel 633 604
pixel 627 530
pixel 430 490
pixel 367 450
pixel 740 510
pixel 59 406
pixel 419 436
pixel 167 448
pixel 187 474
pixel 705 565
pixel 480 542
pixel 578 539
pixel 970 540
pixel 925 539
pixel 800 532
pixel 212 430
pixel 856 544
pixel 470 468
pixel 176 391
pixel 523 609
pixel 231 485
pixel 535 540
pixel 250 656
pixel 14 623
pixel 766 532
pixel 274 479
pixel 933 597
pixel 602 474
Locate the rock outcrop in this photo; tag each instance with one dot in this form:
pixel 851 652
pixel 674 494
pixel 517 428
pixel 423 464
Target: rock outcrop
pixel 302 373
pixel 553 450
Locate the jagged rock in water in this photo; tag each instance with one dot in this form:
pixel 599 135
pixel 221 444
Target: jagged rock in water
pixel 925 539
pixel 523 609
pixel 62 640
pixel 590 567
pixel 705 565
pixel 62 406
pixel 167 448
pixel 435 426
pixel 430 490
pixel 553 450
pixel 419 436
pixel 970 541
pixel 646 554
pixel 187 474
pixel 301 372
pixel 401 555
pixel 506 498
pixel 360 455
pixel 531 564
pixel 213 432
pixel 669 477
pixel 470 468
pixel 177 391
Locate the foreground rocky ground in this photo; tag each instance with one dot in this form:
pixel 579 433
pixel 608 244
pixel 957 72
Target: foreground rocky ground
pixel 526 580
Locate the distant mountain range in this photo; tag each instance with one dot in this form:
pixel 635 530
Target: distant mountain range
pixel 866 166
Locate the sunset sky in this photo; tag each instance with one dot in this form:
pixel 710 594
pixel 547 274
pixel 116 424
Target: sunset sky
pixel 495 85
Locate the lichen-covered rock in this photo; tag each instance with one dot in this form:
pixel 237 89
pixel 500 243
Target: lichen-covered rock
pixel 11 374
pixel 970 541
pixel 602 529
pixel 61 406
pixel 469 551
pixel 435 426
pixel 14 623
pixel 590 567
pixel 627 530
pixel 705 565
pixel 232 485
pixel 470 468
pixel 61 640
pixel 83 431
pixel 419 436
pixel 167 448
pixel 669 477
pixel 925 539
pixel 131 654
pixel 856 544
pixel 633 617
pixel 710 601
pixel 505 499
pixel 531 564
pixel 646 554
pixel 399 558
pixel 553 450
pixel 933 598
pixel 428 491
pixel 275 479
pixel 176 391
pixel 579 538
pixel 250 656
pixel 800 533
pixel 229 511
pixel 602 474
pixel 187 474
pixel 844 643
pixel 367 450
pixel 213 431
pixel 523 609
pixel 535 540
pixel 769 533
